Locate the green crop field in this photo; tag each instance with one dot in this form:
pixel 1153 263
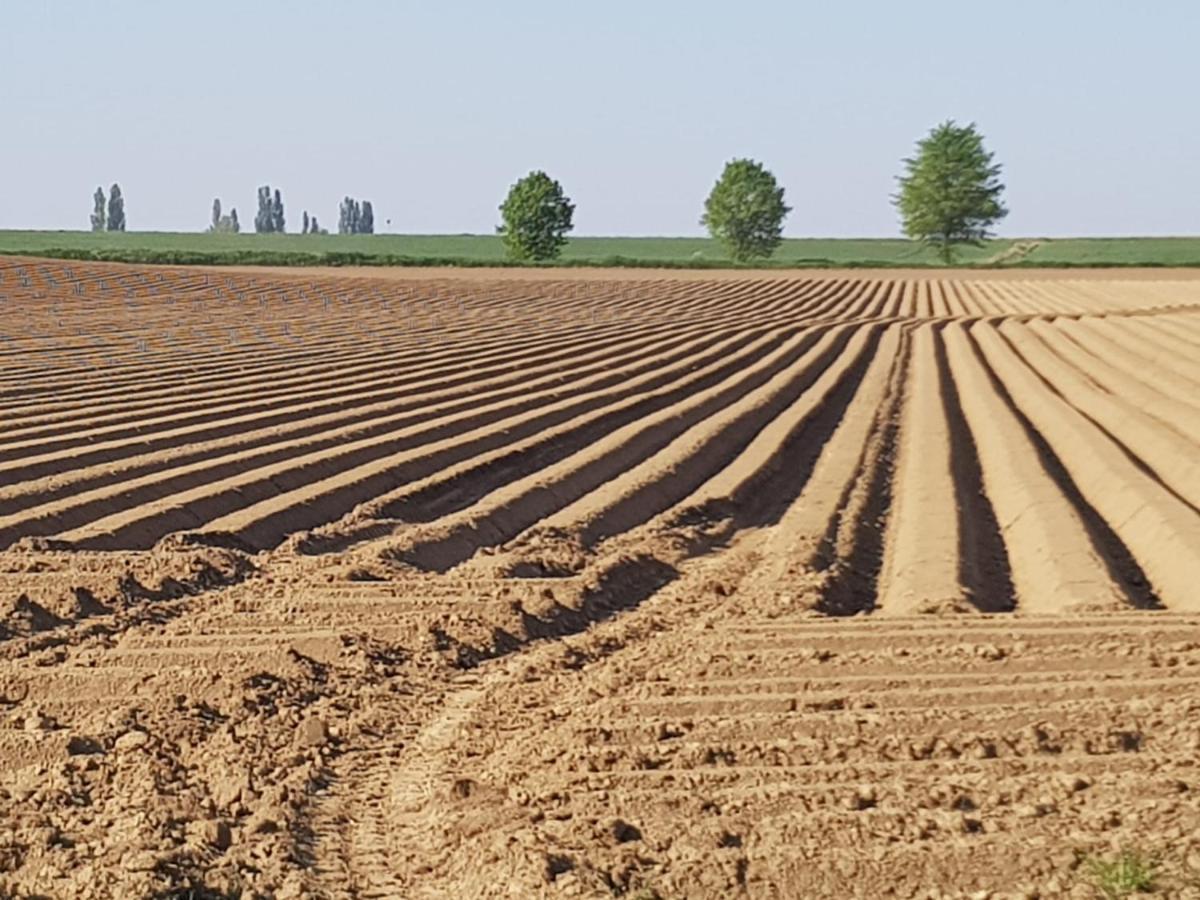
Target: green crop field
pixel 477 250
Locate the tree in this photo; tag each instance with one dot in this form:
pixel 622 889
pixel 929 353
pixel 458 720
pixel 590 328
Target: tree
pixel 536 216
pixel 277 221
pixel 264 221
pixel 304 227
pixel 223 224
pixel 116 209
pixel 316 229
pixel 950 192
pixel 348 214
pixel 745 210
pixel 366 222
pixel 99 217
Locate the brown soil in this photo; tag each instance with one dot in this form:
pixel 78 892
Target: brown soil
pixel 378 584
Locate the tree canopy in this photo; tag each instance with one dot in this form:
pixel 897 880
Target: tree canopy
pixel 116 209
pixel 745 210
pixel 99 211
pixel 950 191
pixel 535 218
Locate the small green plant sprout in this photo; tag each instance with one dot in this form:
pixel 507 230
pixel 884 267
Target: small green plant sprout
pixel 1129 873
pixel 536 216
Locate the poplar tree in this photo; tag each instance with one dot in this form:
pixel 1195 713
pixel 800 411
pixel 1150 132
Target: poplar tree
pixel 99 216
pixel 116 209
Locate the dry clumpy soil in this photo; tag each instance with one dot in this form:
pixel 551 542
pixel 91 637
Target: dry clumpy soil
pixel 581 585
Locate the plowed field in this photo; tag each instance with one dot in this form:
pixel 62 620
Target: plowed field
pixel 425 585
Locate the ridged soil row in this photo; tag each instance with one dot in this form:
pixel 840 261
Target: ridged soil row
pixel 305 469
pixel 1053 561
pixel 1159 531
pixel 221 367
pixel 486 455
pixel 357 360
pixel 456 487
pixel 509 510
pixel 1178 337
pixel 921 563
pixel 799 564
pixel 1128 333
pixel 200 498
pixel 1171 457
pixel 1124 373
pixel 785 487
pixel 726 448
pixel 244 450
pixel 361 368
pixel 53 525
pixel 464 382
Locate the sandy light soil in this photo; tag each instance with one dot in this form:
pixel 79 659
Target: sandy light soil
pixel 366 583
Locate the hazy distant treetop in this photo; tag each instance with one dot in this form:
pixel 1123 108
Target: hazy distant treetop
pixel 536 216
pixel 99 213
pixel 263 222
pixel 950 191
pixel 355 217
pixel 278 223
pixel 116 209
pixel 223 224
pixel 745 210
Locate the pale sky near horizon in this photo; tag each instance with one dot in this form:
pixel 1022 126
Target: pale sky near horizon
pixel 430 110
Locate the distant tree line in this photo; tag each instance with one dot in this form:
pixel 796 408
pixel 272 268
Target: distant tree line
pixel 312 226
pixel 224 224
pixel 950 194
pixel 108 215
pixel 355 217
pixel 270 219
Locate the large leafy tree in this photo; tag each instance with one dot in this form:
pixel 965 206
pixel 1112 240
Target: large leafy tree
pixel 745 210
pixel 950 190
pixel 535 218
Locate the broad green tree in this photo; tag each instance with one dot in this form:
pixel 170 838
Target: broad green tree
pixel 950 190
pixel 99 214
pixel 116 209
pixel 536 217
pixel 745 210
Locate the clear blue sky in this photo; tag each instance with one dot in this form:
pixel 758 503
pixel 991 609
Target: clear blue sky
pixel 431 109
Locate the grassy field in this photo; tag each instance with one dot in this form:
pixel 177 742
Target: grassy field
pixel 468 250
